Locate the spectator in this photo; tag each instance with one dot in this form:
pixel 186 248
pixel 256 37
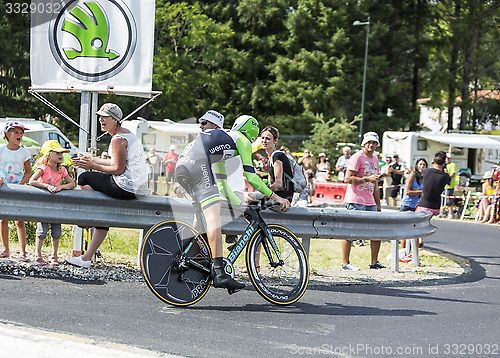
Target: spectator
pixel 124 176
pixel 170 162
pixel 396 169
pixel 412 193
pixel 322 168
pixel 49 175
pixel 362 193
pixel 307 160
pixel 451 169
pixel 279 165
pixel 488 189
pixel 434 181
pixel 384 171
pixel 304 197
pixel 341 165
pixel 153 161
pixel 15 168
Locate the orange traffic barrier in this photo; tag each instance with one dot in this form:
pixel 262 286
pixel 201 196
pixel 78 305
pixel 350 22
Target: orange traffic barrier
pixel 329 193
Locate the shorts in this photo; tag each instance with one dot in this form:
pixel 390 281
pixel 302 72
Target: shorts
pixel 199 182
pixel 104 183
pixel 360 207
pixel 433 211
pixel 393 192
pixel 450 201
pixel 169 176
pixel 43 228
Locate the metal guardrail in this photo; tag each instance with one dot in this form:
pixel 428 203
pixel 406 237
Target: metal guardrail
pixel 90 208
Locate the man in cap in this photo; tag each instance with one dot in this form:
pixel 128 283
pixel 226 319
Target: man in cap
pixel 362 176
pixel 211 120
pixel 170 162
pixel 451 169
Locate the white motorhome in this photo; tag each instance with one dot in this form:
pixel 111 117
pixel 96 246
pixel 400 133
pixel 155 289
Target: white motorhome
pixel 42 131
pixel 473 151
pixel 162 134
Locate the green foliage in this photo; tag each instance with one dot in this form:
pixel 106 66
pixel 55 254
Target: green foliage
pixel 286 62
pixel 327 133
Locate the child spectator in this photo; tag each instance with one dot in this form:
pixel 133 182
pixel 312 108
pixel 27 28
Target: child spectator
pixel 48 175
pixel 15 168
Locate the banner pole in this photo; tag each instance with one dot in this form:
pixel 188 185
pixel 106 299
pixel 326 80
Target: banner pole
pixel 83 144
pixel 93 123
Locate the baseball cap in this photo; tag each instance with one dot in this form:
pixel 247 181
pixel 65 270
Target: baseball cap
pixel 370 136
pixel 53 145
pixel 14 124
pixel 321 155
pixel 488 174
pixel 110 109
pixel 214 117
pixel 448 155
pixel 172 147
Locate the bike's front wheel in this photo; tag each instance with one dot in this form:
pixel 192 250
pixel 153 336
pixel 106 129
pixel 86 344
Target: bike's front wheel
pixel 174 259
pixel 284 282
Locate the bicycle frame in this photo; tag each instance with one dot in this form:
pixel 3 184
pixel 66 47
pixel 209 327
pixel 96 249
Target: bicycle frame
pixel 255 222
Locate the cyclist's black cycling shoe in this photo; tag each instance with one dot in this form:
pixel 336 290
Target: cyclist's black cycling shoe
pixel 226 281
pixel 222 279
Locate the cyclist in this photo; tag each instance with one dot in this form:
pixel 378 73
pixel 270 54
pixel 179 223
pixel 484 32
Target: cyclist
pixel 194 173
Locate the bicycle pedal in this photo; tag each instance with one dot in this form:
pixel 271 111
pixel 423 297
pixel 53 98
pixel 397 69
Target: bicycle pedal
pixel 231 291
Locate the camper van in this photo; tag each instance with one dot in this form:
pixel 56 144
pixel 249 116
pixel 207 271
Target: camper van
pixel 475 152
pixel 162 134
pixel 42 131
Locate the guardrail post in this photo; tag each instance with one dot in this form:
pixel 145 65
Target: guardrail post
pixel 395 255
pixel 141 242
pixel 306 243
pixel 414 252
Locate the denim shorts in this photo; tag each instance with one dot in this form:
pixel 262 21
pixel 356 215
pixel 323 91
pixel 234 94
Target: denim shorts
pixel 360 207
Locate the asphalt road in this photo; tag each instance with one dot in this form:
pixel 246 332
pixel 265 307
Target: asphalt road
pixel 447 318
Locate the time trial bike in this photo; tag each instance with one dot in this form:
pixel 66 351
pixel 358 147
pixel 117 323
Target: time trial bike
pixel 177 265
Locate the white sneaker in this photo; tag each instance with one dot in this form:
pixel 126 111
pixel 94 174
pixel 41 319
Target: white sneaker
pixel 78 261
pixel 450 216
pixel 350 267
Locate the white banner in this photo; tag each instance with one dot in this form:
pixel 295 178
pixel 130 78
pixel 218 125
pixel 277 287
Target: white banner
pixel 103 46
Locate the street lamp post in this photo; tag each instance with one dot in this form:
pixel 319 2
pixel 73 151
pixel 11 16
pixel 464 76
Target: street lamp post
pixel 367 23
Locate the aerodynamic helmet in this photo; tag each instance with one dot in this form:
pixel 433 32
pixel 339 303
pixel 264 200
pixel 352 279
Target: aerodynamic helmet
pixel 248 126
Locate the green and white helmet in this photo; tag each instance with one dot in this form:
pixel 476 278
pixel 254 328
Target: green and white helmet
pixel 248 126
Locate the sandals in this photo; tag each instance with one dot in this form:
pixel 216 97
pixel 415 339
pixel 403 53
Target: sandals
pixel 4 254
pixel 40 261
pixel 54 261
pixel 22 259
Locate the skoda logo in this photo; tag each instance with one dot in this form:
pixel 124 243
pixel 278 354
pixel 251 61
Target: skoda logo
pixel 93 40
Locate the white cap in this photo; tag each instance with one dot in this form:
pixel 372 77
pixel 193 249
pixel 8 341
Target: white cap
pixel 322 155
pixel 214 117
pixel 172 147
pixel 370 136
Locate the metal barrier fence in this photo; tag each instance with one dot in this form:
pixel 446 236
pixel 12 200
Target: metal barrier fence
pixel 90 208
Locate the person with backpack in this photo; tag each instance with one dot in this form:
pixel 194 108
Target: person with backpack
pixel 281 175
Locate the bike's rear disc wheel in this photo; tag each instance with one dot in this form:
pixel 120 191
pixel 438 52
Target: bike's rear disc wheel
pixel 162 245
pixel 284 284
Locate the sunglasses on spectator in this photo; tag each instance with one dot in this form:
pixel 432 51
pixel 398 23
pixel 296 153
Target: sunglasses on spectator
pixel 204 123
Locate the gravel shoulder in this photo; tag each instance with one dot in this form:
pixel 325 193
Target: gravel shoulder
pixel 119 272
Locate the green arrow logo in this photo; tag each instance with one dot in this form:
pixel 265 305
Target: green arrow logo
pixel 91 32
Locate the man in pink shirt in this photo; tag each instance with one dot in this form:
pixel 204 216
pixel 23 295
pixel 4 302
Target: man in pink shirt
pixel 362 193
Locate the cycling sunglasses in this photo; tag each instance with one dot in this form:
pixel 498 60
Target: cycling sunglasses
pixel 204 123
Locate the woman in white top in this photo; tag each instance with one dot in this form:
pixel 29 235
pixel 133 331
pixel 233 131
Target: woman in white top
pixel 124 176
pixel 322 168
